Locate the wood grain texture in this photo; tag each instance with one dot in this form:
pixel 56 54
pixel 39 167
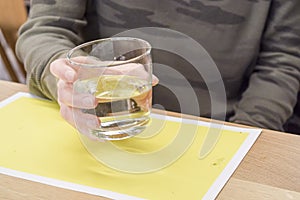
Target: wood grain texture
pixel 9 88
pixel 273 160
pixel 240 189
pixel 270 170
pixel 12 188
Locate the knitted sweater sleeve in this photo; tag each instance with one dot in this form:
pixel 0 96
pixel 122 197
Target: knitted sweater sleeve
pixel 53 27
pixel 272 92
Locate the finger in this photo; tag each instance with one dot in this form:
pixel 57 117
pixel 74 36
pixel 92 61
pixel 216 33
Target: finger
pixel 138 70
pixel 84 123
pixel 67 69
pixel 67 95
pixel 62 70
pixel 155 80
pixel 130 69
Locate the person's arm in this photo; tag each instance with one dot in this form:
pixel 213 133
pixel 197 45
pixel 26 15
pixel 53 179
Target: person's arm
pixel 52 29
pixel 272 92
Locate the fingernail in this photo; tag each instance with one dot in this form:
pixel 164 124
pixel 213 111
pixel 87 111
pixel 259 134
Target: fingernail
pixel 88 102
pixel 70 75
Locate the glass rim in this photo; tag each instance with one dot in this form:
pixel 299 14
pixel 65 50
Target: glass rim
pixel 113 63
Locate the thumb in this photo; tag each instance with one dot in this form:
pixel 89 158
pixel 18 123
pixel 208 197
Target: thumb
pixel 155 80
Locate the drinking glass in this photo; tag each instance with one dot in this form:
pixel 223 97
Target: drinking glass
pixel 118 72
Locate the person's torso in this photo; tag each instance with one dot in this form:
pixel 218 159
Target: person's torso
pixel 230 31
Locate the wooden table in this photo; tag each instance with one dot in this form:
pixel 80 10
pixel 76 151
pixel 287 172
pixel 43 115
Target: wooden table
pixel 271 170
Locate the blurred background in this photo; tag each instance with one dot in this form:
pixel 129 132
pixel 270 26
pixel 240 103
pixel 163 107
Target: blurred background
pixel 13 14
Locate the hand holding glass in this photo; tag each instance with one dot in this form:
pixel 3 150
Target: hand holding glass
pixel 118 72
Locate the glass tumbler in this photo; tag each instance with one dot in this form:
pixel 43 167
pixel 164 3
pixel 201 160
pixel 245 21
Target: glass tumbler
pixel 118 72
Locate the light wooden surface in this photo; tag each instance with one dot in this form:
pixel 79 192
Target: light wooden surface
pixel 270 170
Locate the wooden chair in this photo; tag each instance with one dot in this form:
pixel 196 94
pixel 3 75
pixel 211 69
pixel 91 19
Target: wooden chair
pixel 13 14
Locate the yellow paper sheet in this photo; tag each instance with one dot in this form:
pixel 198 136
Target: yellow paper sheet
pixel 36 140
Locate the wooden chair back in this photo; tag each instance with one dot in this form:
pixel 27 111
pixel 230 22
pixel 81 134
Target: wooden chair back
pixel 13 14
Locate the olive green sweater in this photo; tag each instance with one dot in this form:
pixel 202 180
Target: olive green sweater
pixel 254 43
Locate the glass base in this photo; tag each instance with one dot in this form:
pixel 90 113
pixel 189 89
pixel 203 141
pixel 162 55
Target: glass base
pixel 120 132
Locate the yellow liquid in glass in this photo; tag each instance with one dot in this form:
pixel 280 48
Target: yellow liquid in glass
pixel 124 103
